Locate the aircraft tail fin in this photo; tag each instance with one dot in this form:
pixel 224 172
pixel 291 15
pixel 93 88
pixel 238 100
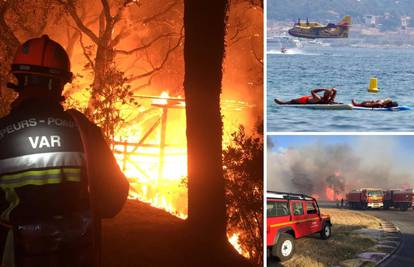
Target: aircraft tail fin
pixel 345 22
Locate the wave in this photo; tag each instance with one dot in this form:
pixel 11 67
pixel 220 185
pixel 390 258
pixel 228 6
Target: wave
pixel 291 51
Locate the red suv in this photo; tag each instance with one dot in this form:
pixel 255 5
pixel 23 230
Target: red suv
pixel 291 216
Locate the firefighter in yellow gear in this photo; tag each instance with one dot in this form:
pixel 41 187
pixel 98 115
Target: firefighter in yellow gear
pixel 58 177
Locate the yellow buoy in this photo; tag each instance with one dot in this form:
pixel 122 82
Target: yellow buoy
pixel 373 85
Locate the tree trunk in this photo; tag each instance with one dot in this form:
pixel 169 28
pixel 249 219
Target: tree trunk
pixel 204 23
pixel 104 57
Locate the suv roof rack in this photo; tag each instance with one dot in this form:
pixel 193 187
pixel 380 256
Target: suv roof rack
pixel 366 188
pixel 285 195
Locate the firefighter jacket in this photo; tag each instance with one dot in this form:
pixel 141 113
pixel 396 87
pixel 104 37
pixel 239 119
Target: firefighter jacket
pixel 56 172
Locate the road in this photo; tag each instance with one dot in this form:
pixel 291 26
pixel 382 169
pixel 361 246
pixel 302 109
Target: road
pixel 404 220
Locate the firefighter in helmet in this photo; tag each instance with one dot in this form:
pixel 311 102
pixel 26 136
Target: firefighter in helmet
pixel 58 177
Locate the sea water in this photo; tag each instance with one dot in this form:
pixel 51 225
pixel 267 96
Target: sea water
pixel 349 70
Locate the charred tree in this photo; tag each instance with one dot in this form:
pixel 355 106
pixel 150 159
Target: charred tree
pixel 111 86
pixel 204 23
pixel 103 40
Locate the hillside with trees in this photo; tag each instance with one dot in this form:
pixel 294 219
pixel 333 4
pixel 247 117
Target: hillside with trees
pixel 334 10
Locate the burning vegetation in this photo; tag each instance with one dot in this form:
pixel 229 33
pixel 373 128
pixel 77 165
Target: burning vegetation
pixel 127 57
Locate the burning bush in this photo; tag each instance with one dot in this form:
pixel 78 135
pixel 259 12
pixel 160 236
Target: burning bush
pixel 110 100
pixel 243 171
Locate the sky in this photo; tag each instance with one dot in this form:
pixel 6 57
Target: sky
pixel 401 144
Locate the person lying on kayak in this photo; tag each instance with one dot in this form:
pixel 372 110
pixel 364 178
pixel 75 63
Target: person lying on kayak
pixel 380 103
pixel 327 98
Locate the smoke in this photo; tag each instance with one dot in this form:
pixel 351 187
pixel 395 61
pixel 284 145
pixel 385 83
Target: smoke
pixel 330 170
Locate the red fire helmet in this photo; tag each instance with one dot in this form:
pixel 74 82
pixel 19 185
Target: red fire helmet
pixel 44 57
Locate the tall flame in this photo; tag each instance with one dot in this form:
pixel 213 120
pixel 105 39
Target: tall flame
pixel 157 169
pixel 154 158
pixel 330 193
pixel 234 240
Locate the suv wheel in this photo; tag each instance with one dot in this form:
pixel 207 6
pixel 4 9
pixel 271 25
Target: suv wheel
pixel 403 207
pixel 326 231
pixel 284 248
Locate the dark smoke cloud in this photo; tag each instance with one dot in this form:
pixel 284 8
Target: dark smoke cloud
pixel 270 143
pixel 341 167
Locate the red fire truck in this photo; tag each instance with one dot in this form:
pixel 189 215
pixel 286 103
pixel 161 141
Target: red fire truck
pixel 412 203
pixel 398 198
pixel 411 191
pixel 291 216
pixel 365 198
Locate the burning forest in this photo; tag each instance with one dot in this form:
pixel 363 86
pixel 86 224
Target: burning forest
pixel 329 170
pixel 128 61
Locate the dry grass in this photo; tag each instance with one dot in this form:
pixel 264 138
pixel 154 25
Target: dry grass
pixel 344 244
pixel 351 218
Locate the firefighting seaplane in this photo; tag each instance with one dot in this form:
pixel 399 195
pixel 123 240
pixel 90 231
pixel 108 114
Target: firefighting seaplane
pixel 313 30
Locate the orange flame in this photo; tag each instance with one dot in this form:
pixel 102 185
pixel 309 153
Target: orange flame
pixel 330 194
pixel 157 166
pixel 234 240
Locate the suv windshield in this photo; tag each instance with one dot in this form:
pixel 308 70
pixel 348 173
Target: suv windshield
pixel 297 208
pixel 374 193
pixel 277 208
pixel 310 208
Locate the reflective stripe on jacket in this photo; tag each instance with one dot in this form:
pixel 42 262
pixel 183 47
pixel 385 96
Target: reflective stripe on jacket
pixel 42 174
